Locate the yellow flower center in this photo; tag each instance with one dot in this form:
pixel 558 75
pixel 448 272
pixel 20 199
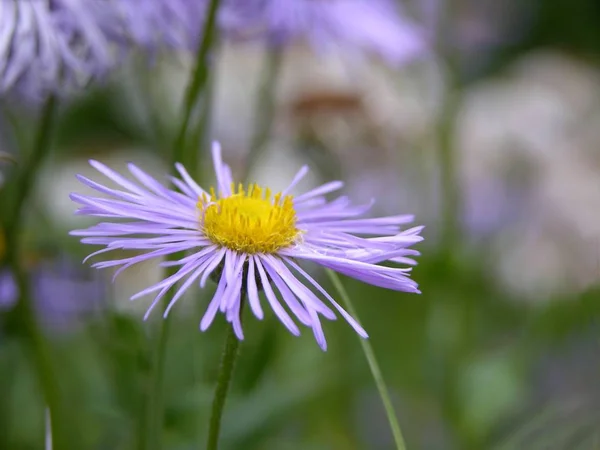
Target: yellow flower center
pixel 249 221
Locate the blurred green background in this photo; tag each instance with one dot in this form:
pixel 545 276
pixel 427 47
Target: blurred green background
pixel 492 141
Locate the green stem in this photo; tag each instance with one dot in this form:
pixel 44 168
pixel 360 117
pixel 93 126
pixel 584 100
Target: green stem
pixel 41 357
pixel 265 108
pixel 152 438
pixel 39 349
pixel 230 354
pixel 9 364
pixel 199 140
pixel 25 180
pixel 446 132
pixel 198 80
pixel 373 365
pixel 155 406
pixel 449 183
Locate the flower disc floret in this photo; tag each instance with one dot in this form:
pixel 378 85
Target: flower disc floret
pixel 249 221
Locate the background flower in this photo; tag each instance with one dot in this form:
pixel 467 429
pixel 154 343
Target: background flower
pixel 376 26
pixel 64 295
pixel 56 46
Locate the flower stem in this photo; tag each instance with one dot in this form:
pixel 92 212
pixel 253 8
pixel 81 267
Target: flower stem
pixel 228 358
pixel 198 81
pixel 450 188
pixel 265 108
pixel 199 139
pixel 62 428
pixel 61 425
pixel 373 365
pixel 25 179
pixel 155 405
pixel 449 183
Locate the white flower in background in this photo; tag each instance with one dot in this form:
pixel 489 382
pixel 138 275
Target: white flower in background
pixel 535 122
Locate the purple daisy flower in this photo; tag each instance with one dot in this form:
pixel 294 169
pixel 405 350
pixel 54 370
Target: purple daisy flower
pixel 376 26
pixel 248 240
pixel 56 45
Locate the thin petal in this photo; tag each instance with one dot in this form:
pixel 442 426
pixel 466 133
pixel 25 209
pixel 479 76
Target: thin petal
pixel 275 305
pixel 120 180
pixel 297 178
pixel 189 180
pixel 321 190
pixel 353 323
pixel 220 170
pixel 253 291
pixel 187 284
pixel 286 294
pixel 308 298
pixel 213 306
pixel 318 330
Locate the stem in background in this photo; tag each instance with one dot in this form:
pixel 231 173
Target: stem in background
pixel 448 158
pixel 373 365
pixel 199 141
pixel 25 179
pixel 446 131
pixel 8 361
pixel 152 437
pixel 198 81
pixel 230 354
pixel 41 355
pixel 265 108
pixel 42 358
pixel 39 349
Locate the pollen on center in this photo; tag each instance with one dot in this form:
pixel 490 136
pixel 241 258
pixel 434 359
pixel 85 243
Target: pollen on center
pixel 249 221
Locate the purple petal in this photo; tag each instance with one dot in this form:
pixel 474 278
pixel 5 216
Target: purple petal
pixel 253 291
pixel 275 305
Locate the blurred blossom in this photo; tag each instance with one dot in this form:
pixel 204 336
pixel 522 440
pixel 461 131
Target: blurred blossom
pixel 62 293
pixel 374 131
pixel 528 142
pixel 8 290
pixel 8 287
pixel 157 23
pixel 372 26
pixel 493 203
pixel 57 46
pixel 475 30
pixel 248 241
pixel 333 98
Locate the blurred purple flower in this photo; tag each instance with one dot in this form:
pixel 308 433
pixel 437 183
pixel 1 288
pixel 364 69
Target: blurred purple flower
pixel 155 23
pixel 8 290
pixel 62 295
pixel 53 46
pixel 376 26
